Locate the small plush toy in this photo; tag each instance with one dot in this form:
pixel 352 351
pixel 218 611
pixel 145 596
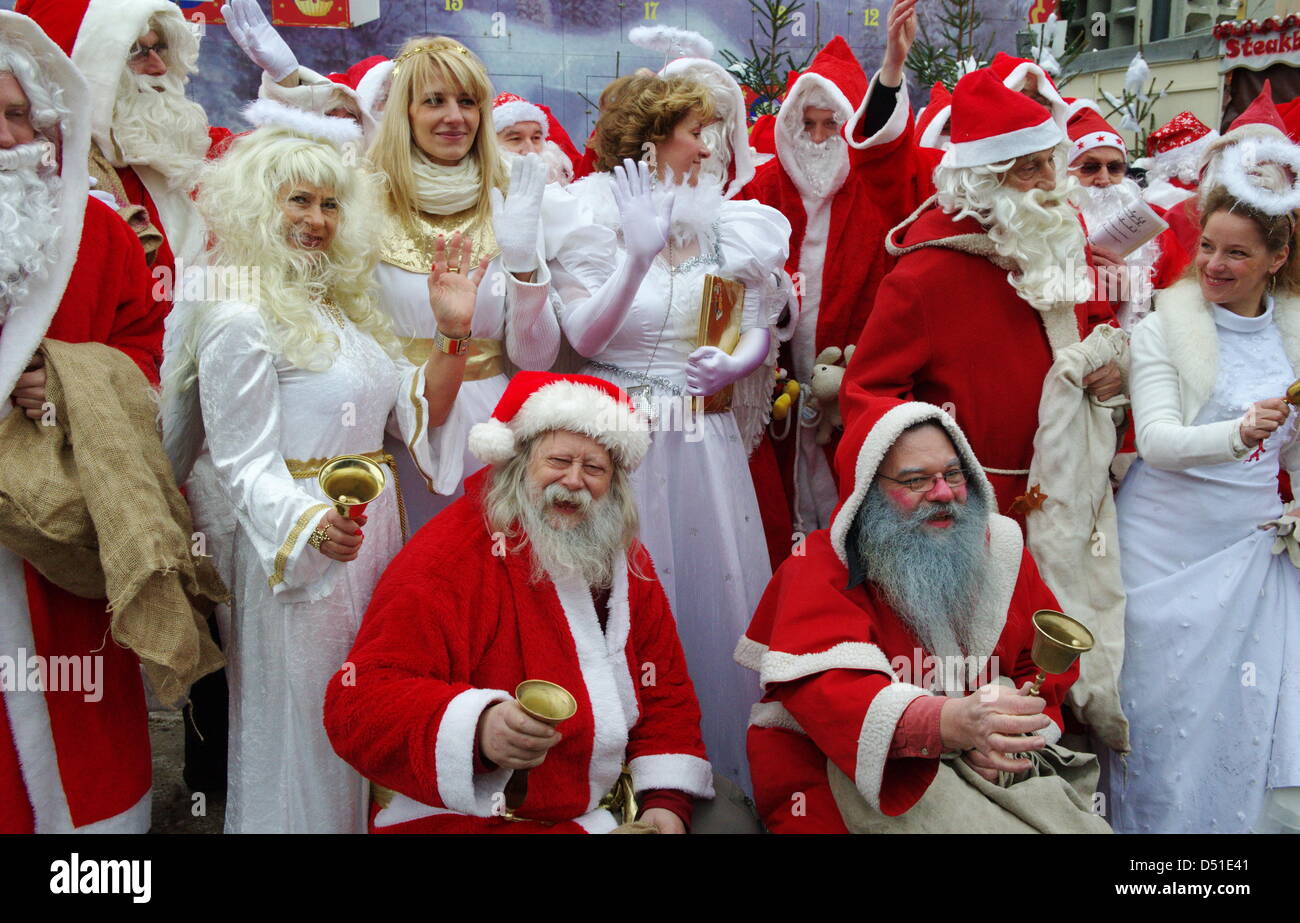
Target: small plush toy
pixel 787 394
pixel 825 390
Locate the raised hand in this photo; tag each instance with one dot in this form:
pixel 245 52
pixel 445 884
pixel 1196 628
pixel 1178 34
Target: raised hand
pixel 453 286
pixel 257 38
pixel 900 34
pixel 645 221
pixel 517 218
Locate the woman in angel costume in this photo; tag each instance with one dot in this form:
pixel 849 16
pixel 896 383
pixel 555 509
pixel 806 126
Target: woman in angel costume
pixel 700 518
pixel 445 174
pixel 301 367
pixel 1210 682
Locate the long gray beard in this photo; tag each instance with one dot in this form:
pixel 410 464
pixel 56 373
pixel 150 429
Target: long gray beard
pixel 821 163
pixel 29 221
pixel 932 579
pixel 586 549
pixel 165 131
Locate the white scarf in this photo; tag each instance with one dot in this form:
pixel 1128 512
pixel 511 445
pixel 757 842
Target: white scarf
pixel 443 190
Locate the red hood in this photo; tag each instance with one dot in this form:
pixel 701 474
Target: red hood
pixel 61 19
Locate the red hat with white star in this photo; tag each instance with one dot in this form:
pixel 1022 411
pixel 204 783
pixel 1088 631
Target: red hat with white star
pixel 1089 130
pixel 539 402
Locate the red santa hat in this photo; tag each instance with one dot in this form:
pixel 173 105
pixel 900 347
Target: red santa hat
pixel 1261 118
pixel 538 402
pixel 690 55
pixel 867 439
pixel 98 35
pixel 375 78
pixel 271 113
pixel 762 136
pixel 1176 150
pixel 1290 113
pixel 1015 74
pixel 352 76
pixel 933 119
pixel 1088 130
pixel 510 109
pixel 556 135
pixel 834 75
pixel 993 124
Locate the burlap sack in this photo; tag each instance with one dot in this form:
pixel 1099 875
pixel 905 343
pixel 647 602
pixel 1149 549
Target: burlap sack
pixel 1054 797
pixel 1073 535
pixel 90 502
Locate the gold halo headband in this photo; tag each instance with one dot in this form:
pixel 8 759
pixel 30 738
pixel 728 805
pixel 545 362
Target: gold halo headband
pixel 422 49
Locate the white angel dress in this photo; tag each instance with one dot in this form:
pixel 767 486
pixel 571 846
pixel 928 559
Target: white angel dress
pixel 1211 677
pixel 294 612
pixel 699 513
pixel 496 348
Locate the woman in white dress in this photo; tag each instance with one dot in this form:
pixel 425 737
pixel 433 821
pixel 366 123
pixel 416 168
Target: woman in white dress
pixel 699 513
pixel 439 155
pixel 300 367
pixel 1211 677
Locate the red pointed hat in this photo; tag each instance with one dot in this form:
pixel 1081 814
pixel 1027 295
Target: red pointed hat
pixel 1261 111
pixel 539 402
pixel 61 19
pixel 934 117
pixel 1180 131
pixel 510 109
pixel 992 124
pixel 1015 73
pixel 1290 113
pixel 762 136
pixel 556 134
pixel 1089 130
pixel 835 70
pixel 352 76
pixel 868 437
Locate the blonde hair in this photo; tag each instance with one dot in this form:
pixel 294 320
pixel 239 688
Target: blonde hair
pixel 1277 231
pixel 644 107
pixel 420 63
pixel 241 198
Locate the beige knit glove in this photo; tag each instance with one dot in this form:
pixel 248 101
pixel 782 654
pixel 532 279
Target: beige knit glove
pixel 1286 539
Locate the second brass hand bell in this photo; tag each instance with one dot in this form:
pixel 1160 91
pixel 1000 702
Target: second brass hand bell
pixel 549 704
pixel 1058 642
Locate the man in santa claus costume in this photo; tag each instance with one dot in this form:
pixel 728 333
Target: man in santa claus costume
pixel 536 573
pixel 1175 152
pixel 1099 161
pixel 895 653
pixel 840 176
pixel 524 128
pixel 1003 225
pixel 70 270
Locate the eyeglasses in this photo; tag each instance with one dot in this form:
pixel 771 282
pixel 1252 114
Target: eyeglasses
pixel 1115 168
pixel 140 52
pixel 922 484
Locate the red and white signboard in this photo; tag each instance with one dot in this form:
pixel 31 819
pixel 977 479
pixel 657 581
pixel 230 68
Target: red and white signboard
pixel 1257 45
pixel 323 14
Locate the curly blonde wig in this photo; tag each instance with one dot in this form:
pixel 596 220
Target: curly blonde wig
pixel 644 107
pixel 423 62
pixel 241 197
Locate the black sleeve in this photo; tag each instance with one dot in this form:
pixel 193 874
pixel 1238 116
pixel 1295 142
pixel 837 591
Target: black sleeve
pixel 879 108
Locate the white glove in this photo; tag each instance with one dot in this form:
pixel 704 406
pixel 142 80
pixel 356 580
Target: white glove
pixel 645 217
pixel 709 369
pixel 517 220
pixel 257 38
pixel 1286 539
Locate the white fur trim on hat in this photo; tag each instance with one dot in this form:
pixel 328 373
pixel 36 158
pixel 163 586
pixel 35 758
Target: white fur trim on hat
pixel 1017 79
pixel 1241 174
pixel 1094 140
pixel 933 134
pixel 267 113
pixel 1004 147
pixel 1074 108
pixel 516 111
pixel 572 406
pixel 373 85
pixel 729 105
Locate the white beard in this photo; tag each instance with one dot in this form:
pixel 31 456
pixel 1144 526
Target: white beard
pixel 822 164
pixel 29 221
pixel 562 548
pixel 1040 232
pixel 559 167
pixel 714 136
pixel 1098 205
pixel 163 130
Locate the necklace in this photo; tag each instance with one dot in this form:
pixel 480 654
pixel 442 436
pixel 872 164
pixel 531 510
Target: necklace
pixel 333 311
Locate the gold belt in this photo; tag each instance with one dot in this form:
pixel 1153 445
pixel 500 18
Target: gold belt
pixel 302 470
pixel 486 357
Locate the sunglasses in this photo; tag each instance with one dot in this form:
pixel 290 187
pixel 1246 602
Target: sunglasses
pixel 1115 168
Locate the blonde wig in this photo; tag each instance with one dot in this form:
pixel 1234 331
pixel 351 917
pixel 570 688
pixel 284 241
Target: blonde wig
pixel 421 63
pixel 644 107
pixel 241 197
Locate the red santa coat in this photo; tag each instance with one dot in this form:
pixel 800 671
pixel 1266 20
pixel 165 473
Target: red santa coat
pixel 453 628
pixel 68 763
pixel 839 668
pixel 948 328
